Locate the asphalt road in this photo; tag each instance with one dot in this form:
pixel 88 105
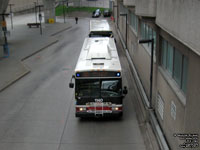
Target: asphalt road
pixel 37 112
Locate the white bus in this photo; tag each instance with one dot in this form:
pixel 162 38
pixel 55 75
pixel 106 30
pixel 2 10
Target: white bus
pixel 98 79
pixel 100 28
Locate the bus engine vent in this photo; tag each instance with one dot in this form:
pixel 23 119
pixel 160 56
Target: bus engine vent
pixel 98 63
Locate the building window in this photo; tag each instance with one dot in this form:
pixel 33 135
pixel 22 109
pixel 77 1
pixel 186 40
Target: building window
pixel 175 63
pixel 142 30
pixel 148 33
pixel 164 53
pixel 134 21
pixel 154 37
pixel 170 55
pixel 177 66
pixel 184 74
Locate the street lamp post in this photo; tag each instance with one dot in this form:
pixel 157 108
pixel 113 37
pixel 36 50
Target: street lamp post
pixel 126 27
pixel 151 72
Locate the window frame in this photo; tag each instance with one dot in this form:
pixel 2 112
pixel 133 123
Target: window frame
pixel 183 67
pixel 144 34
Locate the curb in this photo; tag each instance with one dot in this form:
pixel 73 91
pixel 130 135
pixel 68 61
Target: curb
pixel 39 50
pixel 27 69
pixel 61 31
pixel 16 79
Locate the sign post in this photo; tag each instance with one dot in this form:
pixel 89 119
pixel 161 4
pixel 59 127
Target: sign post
pixel 4 29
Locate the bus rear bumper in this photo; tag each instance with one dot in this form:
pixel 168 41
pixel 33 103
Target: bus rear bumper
pixel 93 115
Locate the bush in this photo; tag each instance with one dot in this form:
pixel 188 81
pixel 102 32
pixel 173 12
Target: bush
pixel 59 9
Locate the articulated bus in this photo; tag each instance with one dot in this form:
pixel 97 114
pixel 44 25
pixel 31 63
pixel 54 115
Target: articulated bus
pixel 98 79
pixel 100 28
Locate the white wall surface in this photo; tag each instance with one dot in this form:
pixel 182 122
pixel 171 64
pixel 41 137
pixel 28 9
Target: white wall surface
pixel 181 18
pixel 20 5
pixel 129 2
pixel 146 8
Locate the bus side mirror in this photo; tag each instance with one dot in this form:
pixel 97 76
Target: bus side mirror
pixel 71 85
pixel 125 91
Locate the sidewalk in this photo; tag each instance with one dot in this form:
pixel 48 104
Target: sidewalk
pixel 23 43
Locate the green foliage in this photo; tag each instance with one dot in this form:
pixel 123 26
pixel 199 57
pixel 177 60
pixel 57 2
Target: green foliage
pixel 59 9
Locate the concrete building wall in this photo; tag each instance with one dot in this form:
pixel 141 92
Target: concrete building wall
pixel 140 57
pixel 98 3
pixel 192 114
pixel 49 10
pixel 146 8
pixel 21 5
pixel 143 66
pixel 115 12
pixel 187 118
pixel 170 125
pixel 122 26
pixel 181 113
pixel 132 42
pixel 181 18
pixel 133 49
pixel 3 5
pixel 138 53
pixel 129 2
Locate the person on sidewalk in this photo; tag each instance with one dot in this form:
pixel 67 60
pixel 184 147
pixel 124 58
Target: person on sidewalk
pixel 76 18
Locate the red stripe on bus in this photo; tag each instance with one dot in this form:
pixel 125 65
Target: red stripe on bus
pixel 99 108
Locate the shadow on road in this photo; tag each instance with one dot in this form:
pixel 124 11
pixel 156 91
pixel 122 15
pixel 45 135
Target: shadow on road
pixel 103 119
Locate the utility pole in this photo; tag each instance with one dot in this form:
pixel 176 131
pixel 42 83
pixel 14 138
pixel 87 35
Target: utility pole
pixel 40 17
pixel 35 11
pixel 63 3
pixel 11 15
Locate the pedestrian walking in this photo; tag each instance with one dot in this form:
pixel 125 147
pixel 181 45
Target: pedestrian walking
pixel 76 18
